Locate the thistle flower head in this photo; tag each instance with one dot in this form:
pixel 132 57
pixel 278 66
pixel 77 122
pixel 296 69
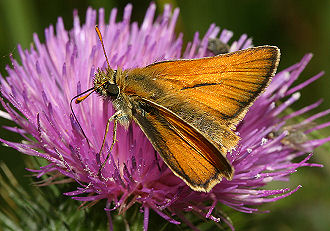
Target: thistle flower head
pixel 40 89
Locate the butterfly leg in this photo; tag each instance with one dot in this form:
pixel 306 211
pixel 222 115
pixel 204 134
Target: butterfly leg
pixel 114 118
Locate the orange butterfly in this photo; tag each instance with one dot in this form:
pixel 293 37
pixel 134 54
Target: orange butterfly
pixel 188 109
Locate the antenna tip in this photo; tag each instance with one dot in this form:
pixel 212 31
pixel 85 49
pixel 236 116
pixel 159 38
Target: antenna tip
pixel 97 29
pixel 77 100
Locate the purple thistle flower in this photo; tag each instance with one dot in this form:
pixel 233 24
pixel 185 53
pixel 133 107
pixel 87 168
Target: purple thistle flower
pixel 53 73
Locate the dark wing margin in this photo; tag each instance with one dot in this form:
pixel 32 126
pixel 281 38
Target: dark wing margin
pixel 186 151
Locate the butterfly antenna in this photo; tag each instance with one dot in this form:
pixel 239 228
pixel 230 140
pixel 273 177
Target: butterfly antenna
pixel 80 98
pixel 101 40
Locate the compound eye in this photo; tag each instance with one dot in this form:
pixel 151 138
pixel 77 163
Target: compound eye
pixel 112 90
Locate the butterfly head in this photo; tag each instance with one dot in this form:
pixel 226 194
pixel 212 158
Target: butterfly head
pixel 105 83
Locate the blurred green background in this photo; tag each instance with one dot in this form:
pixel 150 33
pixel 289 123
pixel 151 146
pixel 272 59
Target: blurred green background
pixel 297 27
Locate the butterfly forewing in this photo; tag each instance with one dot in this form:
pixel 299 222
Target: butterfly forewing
pixel 224 85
